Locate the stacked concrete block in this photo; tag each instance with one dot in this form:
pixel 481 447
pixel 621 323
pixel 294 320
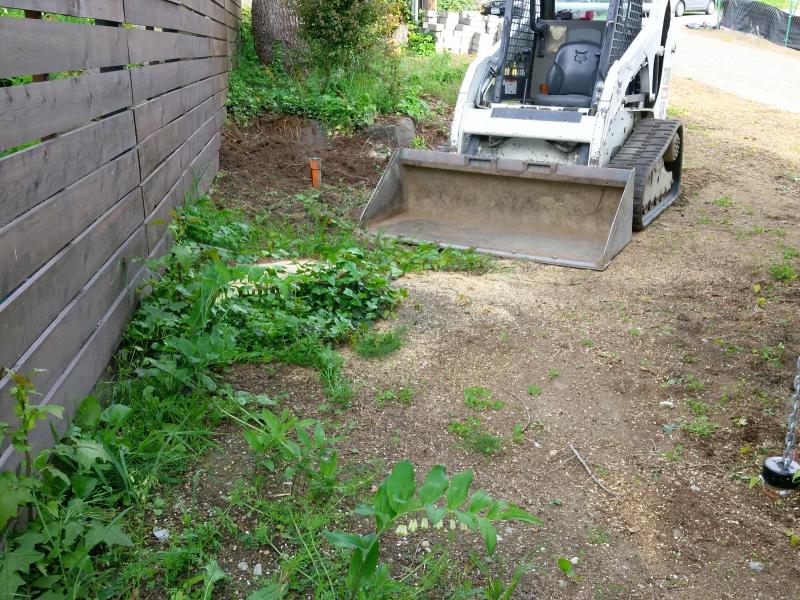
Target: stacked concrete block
pixel 466 32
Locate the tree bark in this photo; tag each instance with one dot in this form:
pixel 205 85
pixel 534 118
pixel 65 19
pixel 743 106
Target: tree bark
pixel 275 22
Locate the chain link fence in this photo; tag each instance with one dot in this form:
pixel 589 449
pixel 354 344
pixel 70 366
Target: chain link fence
pixel 780 26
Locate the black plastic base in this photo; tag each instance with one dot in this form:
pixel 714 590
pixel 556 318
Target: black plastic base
pixel 779 476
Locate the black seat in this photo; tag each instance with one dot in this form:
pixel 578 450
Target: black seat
pixel 571 79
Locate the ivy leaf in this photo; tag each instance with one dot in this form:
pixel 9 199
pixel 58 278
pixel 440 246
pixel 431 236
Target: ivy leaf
pixel 10 582
pixel 435 485
pixel 459 487
pixel 110 535
pixel 115 415
pixel 89 451
pixel 13 494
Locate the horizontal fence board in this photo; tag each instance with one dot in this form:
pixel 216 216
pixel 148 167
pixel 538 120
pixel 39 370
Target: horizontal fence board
pixel 109 10
pixel 55 222
pixel 208 8
pixel 125 148
pixel 63 338
pixel 32 111
pixel 164 141
pixel 158 221
pixel 26 313
pixel 29 177
pixel 81 375
pixel 152 80
pixel 217 29
pixel 33 46
pixel 155 187
pixel 146 46
pixel 159 13
pixel 157 113
pixel 195 181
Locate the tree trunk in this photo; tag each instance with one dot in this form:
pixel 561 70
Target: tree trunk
pixel 275 22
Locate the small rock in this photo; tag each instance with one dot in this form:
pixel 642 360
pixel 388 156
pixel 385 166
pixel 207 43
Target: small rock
pixel 257 570
pixel 553 452
pixel 160 534
pixel 574 560
pixel 634 528
pixel 425 544
pixel 243 566
pixel 694 488
pixel 667 403
pixel 405 131
pixel 562 583
pixel 756 567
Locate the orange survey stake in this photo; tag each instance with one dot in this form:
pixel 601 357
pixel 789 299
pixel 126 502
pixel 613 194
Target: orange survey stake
pixel 315 165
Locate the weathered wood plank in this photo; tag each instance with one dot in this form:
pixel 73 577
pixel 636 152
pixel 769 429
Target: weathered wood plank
pixel 163 142
pixel 35 110
pixel 157 113
pixel 146 46
pixel 206 7
pixel 53 350
pixel 155 187
pixel 217 29
pixel 27 312
pixel 55 222
pixel 80 376
pixel 152 80
pixel 158 13
pixel 109 10
pixel 37 46
pixel 34 174
pixel 195 181
pixel 158 220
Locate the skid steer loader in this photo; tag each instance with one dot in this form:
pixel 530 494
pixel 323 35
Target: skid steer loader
pixel 560 145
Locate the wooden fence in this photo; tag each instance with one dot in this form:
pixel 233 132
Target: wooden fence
pixel 117 106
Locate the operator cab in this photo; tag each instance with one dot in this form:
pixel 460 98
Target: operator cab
pixel 555 53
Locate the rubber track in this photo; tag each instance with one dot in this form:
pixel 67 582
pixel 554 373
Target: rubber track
pixel 641 152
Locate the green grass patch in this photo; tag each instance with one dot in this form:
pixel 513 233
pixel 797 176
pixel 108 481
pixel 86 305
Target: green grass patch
pixel 377 344
pixel 783 272
pixel 403 395
pixel 475 436
pixel 723 201
pixel 479 398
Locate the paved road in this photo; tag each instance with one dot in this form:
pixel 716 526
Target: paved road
pixel 771 77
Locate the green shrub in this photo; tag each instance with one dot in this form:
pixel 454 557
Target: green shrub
pixel 457 5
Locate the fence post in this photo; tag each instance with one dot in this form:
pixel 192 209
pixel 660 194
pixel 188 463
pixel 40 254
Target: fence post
pixel 792 10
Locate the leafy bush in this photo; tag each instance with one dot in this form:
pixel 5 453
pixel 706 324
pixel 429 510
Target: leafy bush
pixel 457 5
pixel 342 96
pixel 421 44
pixel 398 497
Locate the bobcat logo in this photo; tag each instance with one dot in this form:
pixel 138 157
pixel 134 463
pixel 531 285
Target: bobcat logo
pixel 581 57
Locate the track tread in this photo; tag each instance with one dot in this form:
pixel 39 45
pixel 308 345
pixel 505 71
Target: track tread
pixel 641 151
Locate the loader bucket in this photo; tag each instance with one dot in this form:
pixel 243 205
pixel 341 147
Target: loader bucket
pixel 567 215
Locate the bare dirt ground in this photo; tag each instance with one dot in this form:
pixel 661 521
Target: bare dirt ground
pixel 687 323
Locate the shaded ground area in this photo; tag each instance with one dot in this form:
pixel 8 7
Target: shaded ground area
pixel 669 373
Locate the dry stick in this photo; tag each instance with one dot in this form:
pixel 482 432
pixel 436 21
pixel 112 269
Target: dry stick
pixel 589 471
pixel 527 414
